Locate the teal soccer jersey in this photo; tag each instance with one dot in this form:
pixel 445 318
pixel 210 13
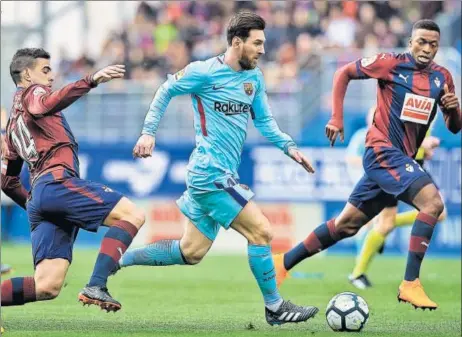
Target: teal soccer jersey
pixel 223 100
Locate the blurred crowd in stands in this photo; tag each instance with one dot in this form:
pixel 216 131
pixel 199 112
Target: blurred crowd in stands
pixel 163 37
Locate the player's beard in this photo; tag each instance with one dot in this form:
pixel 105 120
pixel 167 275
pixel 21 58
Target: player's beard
pixel 246 63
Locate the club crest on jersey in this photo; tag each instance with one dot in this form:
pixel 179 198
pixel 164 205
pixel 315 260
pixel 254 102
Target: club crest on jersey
pixel 39 91
pixel 248 88
pixel 437 82
pixel 179 74
pixel 366 61
pixel 417 109
pixel 409 168
pixel 107 189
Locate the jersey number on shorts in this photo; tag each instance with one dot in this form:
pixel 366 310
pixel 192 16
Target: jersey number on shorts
pixel 23 142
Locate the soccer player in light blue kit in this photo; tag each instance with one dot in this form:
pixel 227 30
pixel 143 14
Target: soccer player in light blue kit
pixel 226 90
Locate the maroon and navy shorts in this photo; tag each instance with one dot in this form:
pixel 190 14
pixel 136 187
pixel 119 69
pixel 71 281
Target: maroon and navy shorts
pixel 59 205
pixel 389 176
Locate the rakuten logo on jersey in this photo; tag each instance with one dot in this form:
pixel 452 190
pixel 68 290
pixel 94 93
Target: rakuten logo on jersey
pixel 231 108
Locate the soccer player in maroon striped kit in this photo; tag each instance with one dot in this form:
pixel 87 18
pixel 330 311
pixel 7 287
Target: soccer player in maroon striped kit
pixel 60 202
pixel 410 86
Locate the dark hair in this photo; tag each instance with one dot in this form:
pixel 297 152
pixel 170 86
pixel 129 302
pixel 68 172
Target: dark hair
pixel 25 58
pixel 242 23
pixel 426 24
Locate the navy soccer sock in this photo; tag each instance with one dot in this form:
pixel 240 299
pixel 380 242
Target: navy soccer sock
pixel 321 238
pixel 421 235
pixel 114 245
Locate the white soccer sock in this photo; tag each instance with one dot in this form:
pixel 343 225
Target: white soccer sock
pixel 275 306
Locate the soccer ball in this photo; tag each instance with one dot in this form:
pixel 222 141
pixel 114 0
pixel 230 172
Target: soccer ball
pixel 347 312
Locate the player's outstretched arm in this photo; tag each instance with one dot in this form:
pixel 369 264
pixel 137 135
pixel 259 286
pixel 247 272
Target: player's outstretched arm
pixel 450 106
pixel 377 67
pixel 40 100
pixel 187 81
pixel 341 79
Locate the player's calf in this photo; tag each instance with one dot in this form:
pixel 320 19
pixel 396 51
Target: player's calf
pixel 49 278
pixel 326 235
pixel 124 221
pixel 45 285
pixel 47 290
pixel 193 252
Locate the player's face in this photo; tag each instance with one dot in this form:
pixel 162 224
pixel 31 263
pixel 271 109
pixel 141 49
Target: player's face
pixel 424 45
pixel 252 49
pixel 40 73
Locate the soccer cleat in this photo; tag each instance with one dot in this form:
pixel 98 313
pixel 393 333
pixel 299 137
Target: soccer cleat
pixel 413 292
pixel 281 272
pixel 5 269
pixel 289 313
pixel 360 282
pixel 99 296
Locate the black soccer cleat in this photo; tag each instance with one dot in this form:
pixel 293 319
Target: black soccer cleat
pixel 360 282
pixel 99 296
pixel 289 313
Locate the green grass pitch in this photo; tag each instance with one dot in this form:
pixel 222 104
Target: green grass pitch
pixel 220 298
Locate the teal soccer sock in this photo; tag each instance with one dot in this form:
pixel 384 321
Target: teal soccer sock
pixel 262 266
pixel 160 253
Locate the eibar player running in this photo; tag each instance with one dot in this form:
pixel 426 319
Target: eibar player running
pixel 225 91
pixel 409 86
pixel 59 203
pixel 388 219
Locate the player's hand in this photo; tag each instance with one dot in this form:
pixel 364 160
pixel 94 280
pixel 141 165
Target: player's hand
pixel 332 132
pixel 300 158
pixel 429 144
pixel 449 100
pixel 144 146
pixel 108 73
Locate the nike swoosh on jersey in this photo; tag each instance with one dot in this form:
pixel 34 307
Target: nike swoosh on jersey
pixel 217 87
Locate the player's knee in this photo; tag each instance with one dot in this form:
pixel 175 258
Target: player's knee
pixel 138 217
pixel 262 234
pixel 48 289
pixel 347 226
pixel 348 230
pixel 191 253
pixel 434 206
pixel 443 215
pixel 128 211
